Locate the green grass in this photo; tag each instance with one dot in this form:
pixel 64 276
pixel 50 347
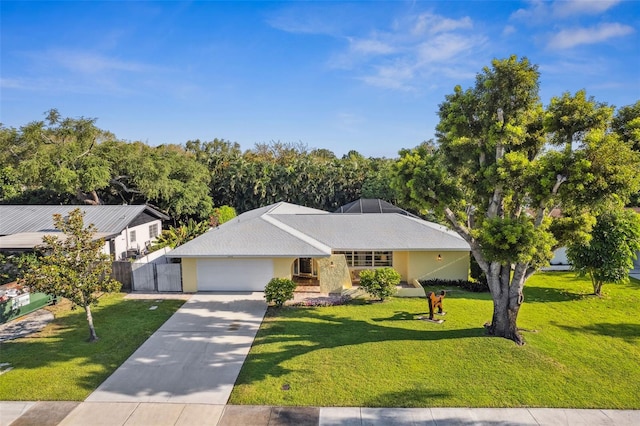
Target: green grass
pixel 581 351
pixel 59 364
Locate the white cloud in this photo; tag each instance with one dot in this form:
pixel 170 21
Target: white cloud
pixel 569 38
pixel 539 11
pixel 444 48
pixel 536 12
pixel 321 18
pixel 400 55
pixel 371 46
pixel 508 30
pixel 428 23
pixel 397 76
pixel 91 63
pixel 566 8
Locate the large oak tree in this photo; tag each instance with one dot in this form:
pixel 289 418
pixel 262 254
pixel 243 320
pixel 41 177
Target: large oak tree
pixel 504 165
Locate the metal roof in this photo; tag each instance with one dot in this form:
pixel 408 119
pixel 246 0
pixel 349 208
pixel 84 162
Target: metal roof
pixel 28 240
pixel 371 205
pixel 278 231
pixel 37 218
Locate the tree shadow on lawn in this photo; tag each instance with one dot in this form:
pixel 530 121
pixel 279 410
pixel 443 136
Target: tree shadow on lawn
pixel 534 294
pixel 406 399
pixel 299 336
pixel 630 333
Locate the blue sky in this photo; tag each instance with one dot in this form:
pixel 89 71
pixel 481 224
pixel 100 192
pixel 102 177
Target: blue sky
pixel 337 75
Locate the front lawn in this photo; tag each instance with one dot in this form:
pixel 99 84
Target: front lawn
pixel 581 351
pixel 59 364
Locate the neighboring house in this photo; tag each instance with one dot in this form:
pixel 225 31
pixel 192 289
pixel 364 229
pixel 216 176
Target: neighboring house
pixel 327 249
pixel 127 230
pixel 560 262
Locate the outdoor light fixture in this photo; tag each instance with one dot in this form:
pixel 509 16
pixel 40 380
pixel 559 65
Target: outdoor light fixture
pixel 439 258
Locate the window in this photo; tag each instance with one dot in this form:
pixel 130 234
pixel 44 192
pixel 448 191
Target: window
pixel 382 258
pixel 367 259
pixel 153 230
pixel 132 236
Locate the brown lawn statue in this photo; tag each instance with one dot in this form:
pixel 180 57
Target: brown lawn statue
pixel 435 302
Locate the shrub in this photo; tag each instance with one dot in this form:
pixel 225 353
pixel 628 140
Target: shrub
pixel 279 290
pixel 324 301
pixel 380 283
pixel 472 286
pixel 477 273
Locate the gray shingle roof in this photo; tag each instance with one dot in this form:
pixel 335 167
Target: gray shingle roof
pixel 286 230
pixel 36 218
pixel 389 231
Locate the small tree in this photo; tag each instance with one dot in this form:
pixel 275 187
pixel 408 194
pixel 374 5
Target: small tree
pixel 608 256
pixel 279 290
pixel 380 283
pixel 176 236
pixel 221 215
pixel 73 267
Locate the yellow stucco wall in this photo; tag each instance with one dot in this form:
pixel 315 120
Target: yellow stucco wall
pixel 282 267
pixel 333 274
pixel 400 264
pixel 189 275
pixel 424 265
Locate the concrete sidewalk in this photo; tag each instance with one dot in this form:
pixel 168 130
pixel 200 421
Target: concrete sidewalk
pixel 181 414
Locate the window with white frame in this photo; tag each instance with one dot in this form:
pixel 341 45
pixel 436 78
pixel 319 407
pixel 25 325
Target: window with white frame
pixel 132 236
pixel 153 230
pixel 367 259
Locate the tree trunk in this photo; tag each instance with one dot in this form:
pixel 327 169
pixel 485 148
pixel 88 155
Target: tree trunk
pixel 506 302
pixel 597 285
pixel 597 288
pixel 93 337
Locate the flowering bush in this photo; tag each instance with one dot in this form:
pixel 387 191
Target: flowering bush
pixel 380 283
pixel 279 290
pixel 325 301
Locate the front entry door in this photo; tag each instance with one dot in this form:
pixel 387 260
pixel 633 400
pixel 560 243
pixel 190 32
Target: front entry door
pixel 306 267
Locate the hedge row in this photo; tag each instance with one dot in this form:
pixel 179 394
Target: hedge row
pixel 473 286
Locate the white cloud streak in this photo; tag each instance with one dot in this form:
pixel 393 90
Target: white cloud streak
pixel 414 47
pixel 567 8
pixel 539 11
pixel 91 62
pixel 569 38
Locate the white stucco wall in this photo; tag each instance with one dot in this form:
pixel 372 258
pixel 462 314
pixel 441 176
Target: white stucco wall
pixel 123 241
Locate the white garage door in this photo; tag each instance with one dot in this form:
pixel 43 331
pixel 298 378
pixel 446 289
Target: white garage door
pixel 234 274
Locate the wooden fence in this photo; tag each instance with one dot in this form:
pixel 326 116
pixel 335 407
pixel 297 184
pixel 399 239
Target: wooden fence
pixel 150 273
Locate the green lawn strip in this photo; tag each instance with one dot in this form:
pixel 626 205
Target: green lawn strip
pixel 59 364
pixel 581 351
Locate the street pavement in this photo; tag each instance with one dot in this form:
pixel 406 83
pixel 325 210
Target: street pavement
pixel 184 373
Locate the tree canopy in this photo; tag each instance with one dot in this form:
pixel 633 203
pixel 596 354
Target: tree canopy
pixel 503 164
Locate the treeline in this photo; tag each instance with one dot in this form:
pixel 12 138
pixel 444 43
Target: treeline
pixel 70 160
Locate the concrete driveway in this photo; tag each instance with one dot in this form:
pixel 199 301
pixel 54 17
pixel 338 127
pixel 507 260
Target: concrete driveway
pixel 195 357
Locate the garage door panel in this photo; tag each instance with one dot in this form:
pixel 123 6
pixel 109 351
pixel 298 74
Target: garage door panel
pixel 234 274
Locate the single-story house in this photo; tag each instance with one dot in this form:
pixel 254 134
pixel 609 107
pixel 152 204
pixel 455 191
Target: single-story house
pixel 127 230
pixel 327 249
